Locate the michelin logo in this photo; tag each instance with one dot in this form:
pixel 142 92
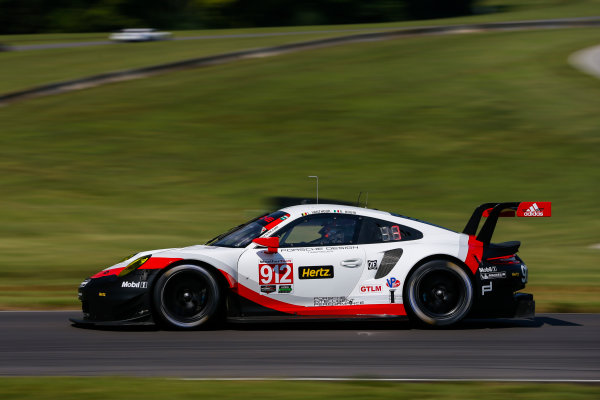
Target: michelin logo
pixel 137 285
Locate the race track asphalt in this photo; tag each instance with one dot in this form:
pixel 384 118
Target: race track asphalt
pixel 551 347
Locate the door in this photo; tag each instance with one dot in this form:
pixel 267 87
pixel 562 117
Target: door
pixel 318 263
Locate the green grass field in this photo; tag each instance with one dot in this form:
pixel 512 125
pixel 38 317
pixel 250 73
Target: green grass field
pixel 25 69
pixel 430 127
pixel 135 388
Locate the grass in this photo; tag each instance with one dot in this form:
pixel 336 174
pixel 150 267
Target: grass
pixel 130 388
pixel 25 69
pixel 430 127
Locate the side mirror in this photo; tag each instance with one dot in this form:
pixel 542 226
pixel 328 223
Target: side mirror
pixel 272 243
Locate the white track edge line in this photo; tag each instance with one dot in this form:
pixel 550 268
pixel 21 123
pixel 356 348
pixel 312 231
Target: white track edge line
pixel 395 380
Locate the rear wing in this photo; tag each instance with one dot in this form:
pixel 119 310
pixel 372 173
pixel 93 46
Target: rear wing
pixel 495 210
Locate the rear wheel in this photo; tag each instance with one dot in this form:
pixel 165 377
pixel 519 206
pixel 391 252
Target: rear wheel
pixel 439 293
pixel 186 297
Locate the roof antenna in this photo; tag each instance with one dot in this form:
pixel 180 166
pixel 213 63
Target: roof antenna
pixel 314 176
pixel 367 200
pixel 358 200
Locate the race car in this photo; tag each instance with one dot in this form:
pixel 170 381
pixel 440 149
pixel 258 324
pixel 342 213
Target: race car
pixel 322 261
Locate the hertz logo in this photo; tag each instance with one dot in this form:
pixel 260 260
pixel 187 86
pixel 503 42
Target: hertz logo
pixel 321 272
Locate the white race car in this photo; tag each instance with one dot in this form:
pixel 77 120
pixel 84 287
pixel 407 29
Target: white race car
pixel 139 35
pixel 322 261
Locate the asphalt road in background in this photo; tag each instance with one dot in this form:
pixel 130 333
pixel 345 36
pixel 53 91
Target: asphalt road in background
pixel 46 46
pixel 551 347
pixel 464 28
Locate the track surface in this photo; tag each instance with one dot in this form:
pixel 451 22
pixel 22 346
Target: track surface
pixel 202 37
pixel 553 347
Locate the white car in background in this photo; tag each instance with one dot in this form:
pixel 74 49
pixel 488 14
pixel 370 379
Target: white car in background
pixel 140 35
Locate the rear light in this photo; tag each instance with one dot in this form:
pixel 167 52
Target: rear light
pixel 511 259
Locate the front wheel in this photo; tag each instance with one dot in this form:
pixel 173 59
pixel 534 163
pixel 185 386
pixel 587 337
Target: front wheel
pixel 186 297
pixel 439 293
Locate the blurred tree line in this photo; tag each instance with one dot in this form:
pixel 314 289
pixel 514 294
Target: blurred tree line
pixel 34 16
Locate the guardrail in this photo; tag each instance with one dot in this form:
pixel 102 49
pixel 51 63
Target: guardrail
pixel 100 79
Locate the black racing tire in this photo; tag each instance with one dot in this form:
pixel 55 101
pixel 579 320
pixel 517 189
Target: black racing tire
pixel 438 293
pixel 186 297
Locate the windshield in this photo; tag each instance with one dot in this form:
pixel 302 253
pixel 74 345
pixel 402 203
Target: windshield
pixel 242 235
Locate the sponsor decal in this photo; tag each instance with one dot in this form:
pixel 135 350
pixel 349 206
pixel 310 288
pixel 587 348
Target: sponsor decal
pixel 535 209
pixel 276 272
pixel 335 301
pixel 350 212
pixel 136 285
pixel 370 289
pixel 272 222
pixel 84 283
pixel 523 273
pixel 341 247
pixel 516 274
pixel 319 272
pixel 493 275
pixel 284 289
pixel 488 269
pixel 302 249
pixel 392 282
pixel 320 211
pixel 486 288
pixel 326 249
pixel 268 288
pixel 101 294
pixel 371 264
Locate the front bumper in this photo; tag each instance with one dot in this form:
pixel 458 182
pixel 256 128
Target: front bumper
pixel 114 300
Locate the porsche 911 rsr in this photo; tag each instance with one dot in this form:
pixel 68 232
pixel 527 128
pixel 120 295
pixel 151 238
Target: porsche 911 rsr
pixel 325 261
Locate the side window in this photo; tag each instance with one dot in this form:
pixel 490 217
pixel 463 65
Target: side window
pixel 380 231
pixel 320 230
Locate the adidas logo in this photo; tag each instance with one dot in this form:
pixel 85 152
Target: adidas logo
pixel 534 211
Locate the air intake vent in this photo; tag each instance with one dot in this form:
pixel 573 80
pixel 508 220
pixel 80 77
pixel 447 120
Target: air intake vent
pixel 389 261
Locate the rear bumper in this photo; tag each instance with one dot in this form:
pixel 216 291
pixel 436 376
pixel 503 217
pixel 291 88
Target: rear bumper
pixel 524 306
pixel 515 305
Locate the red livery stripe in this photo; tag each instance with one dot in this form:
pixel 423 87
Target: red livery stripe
pixel 359 309
pixel 475 254
pixel 159 262
pixel 152 263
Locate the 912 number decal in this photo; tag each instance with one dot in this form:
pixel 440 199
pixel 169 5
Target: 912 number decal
pixel 275 273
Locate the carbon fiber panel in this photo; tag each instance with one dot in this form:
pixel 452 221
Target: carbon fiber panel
pixel 389 261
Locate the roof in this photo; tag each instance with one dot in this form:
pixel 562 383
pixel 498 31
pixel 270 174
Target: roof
pixel 330 208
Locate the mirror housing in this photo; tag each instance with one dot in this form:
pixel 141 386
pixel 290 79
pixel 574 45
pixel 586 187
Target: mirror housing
pixel 271 243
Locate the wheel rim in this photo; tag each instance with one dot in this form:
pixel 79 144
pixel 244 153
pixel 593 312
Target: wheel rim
pixel 439 293
pixel 186 297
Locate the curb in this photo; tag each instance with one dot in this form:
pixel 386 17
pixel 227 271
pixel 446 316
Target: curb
pixel 587 61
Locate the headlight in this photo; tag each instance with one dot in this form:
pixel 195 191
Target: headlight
pixel 134 265
pixel 85 282
pixel 128 257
